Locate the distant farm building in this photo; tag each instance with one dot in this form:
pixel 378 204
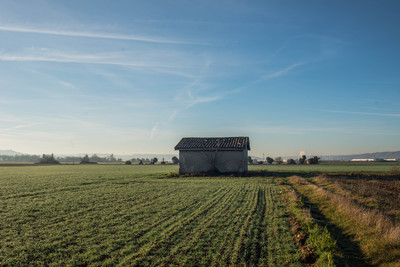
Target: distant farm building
pixel 363 160
pixel 213 154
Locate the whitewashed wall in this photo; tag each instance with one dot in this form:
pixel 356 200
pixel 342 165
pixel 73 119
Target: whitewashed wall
pixel 204 161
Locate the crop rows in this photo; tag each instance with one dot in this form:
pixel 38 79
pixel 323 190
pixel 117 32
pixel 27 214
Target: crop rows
pixel 74 215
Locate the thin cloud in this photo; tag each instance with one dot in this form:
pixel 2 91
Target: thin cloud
pixel 91 35
pixel 154 130
pixel 65 57
pixel 267 77
pixel 176 73
pixel 280 72
pixel 173 115
pixel 68 85
pixel 300 130
pixel 397 115
pixel 21 126
pixel 62 126
pixel 194 101
pixel 197 100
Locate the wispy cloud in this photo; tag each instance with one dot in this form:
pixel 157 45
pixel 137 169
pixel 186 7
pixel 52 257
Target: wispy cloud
pixel 326 45
pixel 154 129
pixel 21 126
pixel 397 115
pixel 280 72
pixel 105 59
pixel 68 85
pixel 267 77
pixel 187 98
pixel 91 35
pixel 303 130
pixel 193 100
pixel 109 58
pixel 60 128
pixel 175 72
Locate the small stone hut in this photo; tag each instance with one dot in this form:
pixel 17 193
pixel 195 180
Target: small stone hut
pixel 213 154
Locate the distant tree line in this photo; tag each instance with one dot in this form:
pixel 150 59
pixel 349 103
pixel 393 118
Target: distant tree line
pixel 37 158
pixel 48 159
pixel 93 158
pixel 278 160
pixel 144 160
pixel 19 158
pixel 141 161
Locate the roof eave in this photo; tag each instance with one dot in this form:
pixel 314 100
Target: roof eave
pixel 212 149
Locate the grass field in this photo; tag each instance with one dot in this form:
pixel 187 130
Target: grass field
pixel 135 215
pixel 145 215
pixel 342 167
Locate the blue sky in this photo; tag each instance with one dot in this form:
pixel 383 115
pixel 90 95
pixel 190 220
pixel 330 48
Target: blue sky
pixel 128 77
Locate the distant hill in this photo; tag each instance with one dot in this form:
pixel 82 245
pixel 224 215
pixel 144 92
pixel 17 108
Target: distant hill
pixel 10 152
pixel 375 155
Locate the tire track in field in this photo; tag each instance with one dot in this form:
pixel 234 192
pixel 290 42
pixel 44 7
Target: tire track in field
pixel 253 244
pixel 268 213
pixel 136 258
pixel 239 244
pixel 269 216
pixel 281 249
pixel 223 253
pixel 196 234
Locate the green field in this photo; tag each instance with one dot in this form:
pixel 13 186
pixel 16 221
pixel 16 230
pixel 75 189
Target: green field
pixel 137 215
pixel 340 167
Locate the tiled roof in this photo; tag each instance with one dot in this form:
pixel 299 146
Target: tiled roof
pixel 212 143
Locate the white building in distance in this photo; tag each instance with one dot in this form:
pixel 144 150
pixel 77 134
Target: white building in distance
pixel 363 160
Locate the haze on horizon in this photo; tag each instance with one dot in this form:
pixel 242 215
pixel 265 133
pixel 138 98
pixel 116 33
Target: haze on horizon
pixel 132 77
